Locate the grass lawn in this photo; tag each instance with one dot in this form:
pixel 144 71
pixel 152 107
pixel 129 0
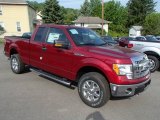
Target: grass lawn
pixel 1 40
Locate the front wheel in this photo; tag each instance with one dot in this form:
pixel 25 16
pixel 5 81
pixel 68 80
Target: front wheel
pixel 94 89
pixel 153 63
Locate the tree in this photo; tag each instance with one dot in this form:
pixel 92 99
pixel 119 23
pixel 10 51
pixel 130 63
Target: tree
pixel 152 24
pixel 37 6
pixel 95 8
pixel 117 14
pixel 70 15
pixel 138 10
pixel 52 12
pixel 85 9
pixel 92 8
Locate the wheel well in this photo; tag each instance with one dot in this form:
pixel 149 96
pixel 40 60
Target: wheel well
pixel 152 54
pixel 88 69
pixel 13 51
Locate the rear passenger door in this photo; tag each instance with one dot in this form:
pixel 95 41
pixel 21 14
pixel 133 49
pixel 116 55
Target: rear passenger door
pixel 37 48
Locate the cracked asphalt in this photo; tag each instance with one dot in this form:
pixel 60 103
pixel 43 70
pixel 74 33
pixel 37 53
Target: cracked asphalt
pixel 31 97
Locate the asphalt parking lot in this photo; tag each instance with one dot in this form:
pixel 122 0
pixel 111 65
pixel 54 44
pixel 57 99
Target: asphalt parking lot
pixel 30 97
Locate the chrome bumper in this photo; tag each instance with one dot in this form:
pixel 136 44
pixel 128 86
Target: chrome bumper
pixel 128 90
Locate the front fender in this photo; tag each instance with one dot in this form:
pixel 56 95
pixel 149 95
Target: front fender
pixel 92 62
pixel 151 49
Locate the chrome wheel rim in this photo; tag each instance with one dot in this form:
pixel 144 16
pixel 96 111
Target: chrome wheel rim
pixel 14 64
pixel 91 91
pixel 152 64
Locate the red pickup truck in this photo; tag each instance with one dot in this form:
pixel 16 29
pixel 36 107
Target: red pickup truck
pixel 69 54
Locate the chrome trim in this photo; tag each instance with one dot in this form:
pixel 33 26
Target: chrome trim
pixel 128 90
pixel 140 66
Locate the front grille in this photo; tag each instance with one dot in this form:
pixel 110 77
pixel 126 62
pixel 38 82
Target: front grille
pixel 140 66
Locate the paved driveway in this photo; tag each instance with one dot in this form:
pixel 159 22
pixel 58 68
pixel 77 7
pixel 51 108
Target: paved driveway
pixel 30 97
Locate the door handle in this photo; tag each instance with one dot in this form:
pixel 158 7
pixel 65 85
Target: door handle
pixel 44 48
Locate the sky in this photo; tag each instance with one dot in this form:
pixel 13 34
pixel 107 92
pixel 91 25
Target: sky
pixel 78 3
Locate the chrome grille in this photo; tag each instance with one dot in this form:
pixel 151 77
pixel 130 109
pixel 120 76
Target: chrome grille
pixel 140 66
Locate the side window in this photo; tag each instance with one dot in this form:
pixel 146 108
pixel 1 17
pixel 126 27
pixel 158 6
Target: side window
pixel 56 34
pixel 39 37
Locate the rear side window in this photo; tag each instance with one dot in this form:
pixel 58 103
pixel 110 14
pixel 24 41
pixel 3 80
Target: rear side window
pixel 40 35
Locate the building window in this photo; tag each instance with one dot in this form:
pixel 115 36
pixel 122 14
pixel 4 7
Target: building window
pixel 0 9
pixel 18 26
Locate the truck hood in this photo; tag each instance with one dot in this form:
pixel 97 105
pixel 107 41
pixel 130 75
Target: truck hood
pixel 113 51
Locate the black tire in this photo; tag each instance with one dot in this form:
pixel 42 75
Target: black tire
pixel 153 60
pixel 15 59
pixel 104 91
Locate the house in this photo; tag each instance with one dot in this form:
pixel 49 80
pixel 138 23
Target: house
pixel 92 22
pixel 38 20
pixel 135 31
pixel 16 17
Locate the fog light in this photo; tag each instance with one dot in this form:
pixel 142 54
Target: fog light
pixel 129 91
pixel 114 88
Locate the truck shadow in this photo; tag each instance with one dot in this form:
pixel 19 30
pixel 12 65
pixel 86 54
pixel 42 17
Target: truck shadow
pixel 119 98
pixel 95 116
pixel 72 86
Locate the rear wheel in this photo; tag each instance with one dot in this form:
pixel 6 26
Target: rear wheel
pixel 153 63
pixel 94 89
pixel 17 65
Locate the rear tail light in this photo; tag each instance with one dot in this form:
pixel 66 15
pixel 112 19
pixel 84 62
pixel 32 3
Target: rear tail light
pixel 130 45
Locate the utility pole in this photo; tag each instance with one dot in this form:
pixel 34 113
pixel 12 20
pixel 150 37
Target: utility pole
pixel 102 16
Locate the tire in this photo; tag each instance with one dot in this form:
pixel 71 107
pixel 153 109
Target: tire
pixel 154 63
pixel 17 65
pixel 95 96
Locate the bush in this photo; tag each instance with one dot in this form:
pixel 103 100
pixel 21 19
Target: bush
pixel 2 30
pixel 115 34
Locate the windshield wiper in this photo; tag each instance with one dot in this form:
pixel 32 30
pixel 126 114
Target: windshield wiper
pixel 90 44
pixel 106 43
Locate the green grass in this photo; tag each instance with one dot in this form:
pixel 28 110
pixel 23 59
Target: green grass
pixel 1 41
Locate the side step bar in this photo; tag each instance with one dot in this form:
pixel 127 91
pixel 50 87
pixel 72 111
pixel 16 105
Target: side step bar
pixel 53 77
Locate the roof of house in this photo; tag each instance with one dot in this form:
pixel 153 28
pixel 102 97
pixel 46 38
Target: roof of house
pixel 13 2
pixel 137 27
pixel 90 20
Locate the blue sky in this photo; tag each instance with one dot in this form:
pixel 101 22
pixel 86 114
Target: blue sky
pixel 78 3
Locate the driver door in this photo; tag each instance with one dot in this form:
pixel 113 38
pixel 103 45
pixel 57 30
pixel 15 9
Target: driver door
pixel 58 61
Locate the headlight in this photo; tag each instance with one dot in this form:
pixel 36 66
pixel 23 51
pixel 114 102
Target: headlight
pixel 124 69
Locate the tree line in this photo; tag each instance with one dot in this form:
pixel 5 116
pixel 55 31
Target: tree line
pixel 136 12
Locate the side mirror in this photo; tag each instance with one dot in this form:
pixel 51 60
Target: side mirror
pixel 61 44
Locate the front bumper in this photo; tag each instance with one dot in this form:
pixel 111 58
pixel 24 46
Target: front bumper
pixel 128 90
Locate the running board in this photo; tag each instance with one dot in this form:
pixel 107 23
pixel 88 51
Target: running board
pixel 53 77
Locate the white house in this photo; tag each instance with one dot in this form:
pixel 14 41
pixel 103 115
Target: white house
pixel 92 22
pixel 135 31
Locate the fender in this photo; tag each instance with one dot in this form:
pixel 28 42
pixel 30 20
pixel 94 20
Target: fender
pixel 100 65
pixel 14 46
pixel 151 49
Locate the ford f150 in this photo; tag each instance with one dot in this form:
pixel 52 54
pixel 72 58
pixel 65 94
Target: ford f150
pixel 68 53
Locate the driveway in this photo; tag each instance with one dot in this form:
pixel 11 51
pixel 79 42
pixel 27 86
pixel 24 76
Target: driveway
pixel 31 97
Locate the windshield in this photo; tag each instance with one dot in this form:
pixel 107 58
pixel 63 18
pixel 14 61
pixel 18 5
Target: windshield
pixel 83 36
